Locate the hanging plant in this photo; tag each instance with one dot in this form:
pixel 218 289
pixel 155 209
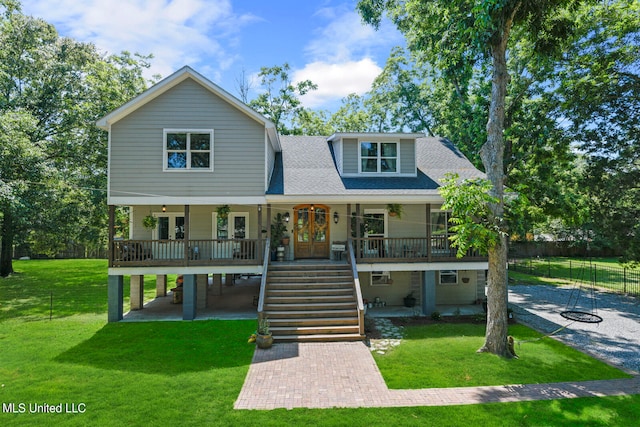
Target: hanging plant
pixel 395 209
pixel 149 222
pixel 223 211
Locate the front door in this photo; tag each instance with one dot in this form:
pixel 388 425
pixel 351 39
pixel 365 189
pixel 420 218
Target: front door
pixel 311 231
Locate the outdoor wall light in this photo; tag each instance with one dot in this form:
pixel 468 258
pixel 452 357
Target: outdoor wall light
pixel 336 217
pixel 286 217
pixel 164 208
pixel 312 208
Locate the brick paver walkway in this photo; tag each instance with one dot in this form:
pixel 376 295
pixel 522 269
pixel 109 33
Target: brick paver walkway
pixel 326 375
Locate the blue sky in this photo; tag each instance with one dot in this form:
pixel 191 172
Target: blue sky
pixel 323 40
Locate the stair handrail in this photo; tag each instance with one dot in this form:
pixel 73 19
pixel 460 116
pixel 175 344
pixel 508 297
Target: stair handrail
pixel 263 281
pixel 356 285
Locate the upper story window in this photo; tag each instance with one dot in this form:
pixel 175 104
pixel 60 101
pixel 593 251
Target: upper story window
pixel 378 157
pixel 188 149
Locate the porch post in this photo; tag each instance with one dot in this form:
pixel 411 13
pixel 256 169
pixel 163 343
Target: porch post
pixel 137 291
pixel 357 233
pixel 115 298
pixel 161 285
pixel 189 297
pixel 186 235
pixel 112 223
pixel 202 283
pixel 428 232
pixel 429 292
pixel 349 225
pixel 260 239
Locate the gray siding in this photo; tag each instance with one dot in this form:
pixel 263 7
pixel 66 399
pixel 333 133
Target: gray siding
pixel 350 155
pixel 137 147
pixel 407 156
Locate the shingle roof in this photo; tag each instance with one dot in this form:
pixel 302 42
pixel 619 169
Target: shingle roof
pixel 307 167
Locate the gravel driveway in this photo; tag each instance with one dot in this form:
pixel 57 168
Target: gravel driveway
pixel 616 339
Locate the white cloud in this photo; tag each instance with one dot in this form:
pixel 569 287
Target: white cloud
pixel 346 37
pixel 176 32
pixel 336 80
pixel 341 56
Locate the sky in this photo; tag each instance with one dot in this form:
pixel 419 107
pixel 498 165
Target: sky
pixel 324 41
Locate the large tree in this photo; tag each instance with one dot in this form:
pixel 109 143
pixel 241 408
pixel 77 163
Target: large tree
pixel 454 35
pixel 52 90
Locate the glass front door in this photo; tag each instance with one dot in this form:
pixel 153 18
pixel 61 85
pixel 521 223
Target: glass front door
pixel 311 231
pixel 170 227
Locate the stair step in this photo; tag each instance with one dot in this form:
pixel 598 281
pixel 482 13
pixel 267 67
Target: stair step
pixel 310 285
pixel 310 292
pixel 318 338
pixel 317 330
pixel 273 314
pixel 309 306
pixel 314 321
pixel 302 299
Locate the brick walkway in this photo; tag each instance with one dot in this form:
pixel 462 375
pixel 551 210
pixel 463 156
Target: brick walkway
pixel 326 375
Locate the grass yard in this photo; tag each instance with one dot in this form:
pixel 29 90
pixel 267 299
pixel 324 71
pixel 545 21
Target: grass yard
pixel 190 373
pixel 606 273
pixel 442 355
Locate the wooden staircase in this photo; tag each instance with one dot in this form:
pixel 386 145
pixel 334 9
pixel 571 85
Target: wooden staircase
pixel 312 302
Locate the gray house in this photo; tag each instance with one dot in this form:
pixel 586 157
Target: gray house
pixel 208 180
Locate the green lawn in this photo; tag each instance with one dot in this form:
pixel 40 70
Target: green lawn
pixel 606 273
pixel 190 373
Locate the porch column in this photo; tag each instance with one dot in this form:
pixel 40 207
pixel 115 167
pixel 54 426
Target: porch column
pixel 260 238
pixel 428 231
pixel 186 234
pixel 429 292
pixel 358 222
pixel 137 292
pixel 161 285
pixel 349 225
pixel 217 284
pixel 115 298
pixel 202 282
pixel 189 297
pixel 269 222
pixel 112 226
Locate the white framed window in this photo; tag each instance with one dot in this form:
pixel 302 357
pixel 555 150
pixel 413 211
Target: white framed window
pixel 378 157
pixel 381 278
pixel 448 277
pixel 188 149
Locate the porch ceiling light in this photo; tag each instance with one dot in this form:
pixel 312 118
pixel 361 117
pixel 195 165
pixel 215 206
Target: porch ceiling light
pixel 164 208
pixel 336 217
pixel 286 217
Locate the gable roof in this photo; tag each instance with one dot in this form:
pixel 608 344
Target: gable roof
pixel 173 80
pixel 307 168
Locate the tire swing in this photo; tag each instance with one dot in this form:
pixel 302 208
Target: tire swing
pixel 572 312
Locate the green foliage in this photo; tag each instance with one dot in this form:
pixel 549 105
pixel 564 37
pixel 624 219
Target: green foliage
pixel 472 219
pixel 280 101
pixel 52 90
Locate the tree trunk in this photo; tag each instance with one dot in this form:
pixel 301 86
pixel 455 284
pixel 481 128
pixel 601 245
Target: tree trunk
pixel 6 249
pixel 492 154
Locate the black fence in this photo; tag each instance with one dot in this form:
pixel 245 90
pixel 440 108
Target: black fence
pixel 618 279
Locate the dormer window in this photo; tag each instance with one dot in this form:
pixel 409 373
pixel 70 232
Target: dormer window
pixel 378 157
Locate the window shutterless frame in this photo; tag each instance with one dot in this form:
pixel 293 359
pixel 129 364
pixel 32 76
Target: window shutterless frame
pixel 379 157
pixel 187 150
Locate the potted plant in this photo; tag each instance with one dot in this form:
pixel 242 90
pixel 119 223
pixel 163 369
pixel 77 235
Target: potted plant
pixel 264 338
pixel 395 209
pixel 410 300
pixel 149 222
pixel 278 230
pixel 223 211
